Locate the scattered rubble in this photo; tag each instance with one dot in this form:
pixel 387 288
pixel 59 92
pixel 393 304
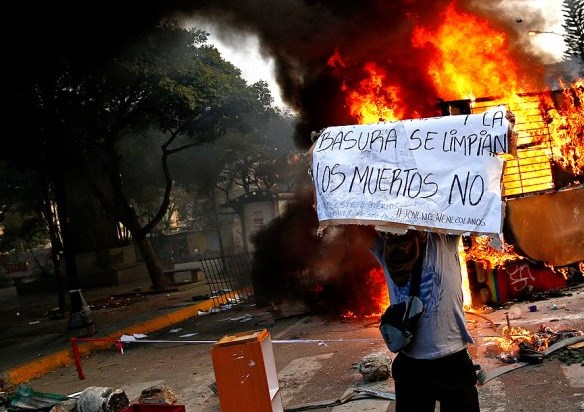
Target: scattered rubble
pixel 69 405
pixel 573 354
pixel 570 356
pixel 375 367
pixel 349 396
pixel 91 399
pixel 116 302
pixel 102 399
pixel 158 394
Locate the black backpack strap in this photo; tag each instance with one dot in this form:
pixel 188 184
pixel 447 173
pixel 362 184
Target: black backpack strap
pixel 417 276
pixel 414 290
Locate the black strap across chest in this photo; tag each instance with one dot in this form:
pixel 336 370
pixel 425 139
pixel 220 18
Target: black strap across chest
pixel 417 276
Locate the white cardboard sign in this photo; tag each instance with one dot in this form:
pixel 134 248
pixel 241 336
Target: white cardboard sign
pixel 439 174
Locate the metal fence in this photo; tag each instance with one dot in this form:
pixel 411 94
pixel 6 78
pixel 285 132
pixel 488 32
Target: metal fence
pixel 229 278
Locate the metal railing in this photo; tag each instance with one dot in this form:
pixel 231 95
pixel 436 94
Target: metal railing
pixel 229 278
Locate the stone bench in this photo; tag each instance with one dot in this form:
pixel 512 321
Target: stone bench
pixel 196 274
pixel 18 278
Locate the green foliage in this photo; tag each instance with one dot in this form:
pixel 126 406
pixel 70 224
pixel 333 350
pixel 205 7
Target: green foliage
pixel 573 11
pixel 10 183
pixel 262 157
pixel 258 155
pixel 123 118
pixel 23 229
pixel 21 219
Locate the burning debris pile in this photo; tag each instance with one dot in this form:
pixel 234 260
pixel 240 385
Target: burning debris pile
pixel 517 344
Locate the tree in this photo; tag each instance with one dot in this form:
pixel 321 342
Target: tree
pixel 263 159
pixel 27 218
pixel 21 216
pixel 257 157
pixel 573 25
pixel 260 161
pixel 10 183
pixel 167 85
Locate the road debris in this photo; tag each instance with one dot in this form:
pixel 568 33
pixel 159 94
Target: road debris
pixel 349 396
pixel 25 398
pixel 102 399
pixel 69 405
pixel 158 394
pixel 375 367
pixel 484 377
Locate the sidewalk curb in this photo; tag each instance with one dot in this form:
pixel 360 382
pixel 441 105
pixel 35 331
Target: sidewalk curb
pixel 48 363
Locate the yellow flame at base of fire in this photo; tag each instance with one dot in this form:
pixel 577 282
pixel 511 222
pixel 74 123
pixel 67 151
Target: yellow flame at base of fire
pixel 466 295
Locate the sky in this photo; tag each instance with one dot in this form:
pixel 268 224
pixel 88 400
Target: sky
pixel 254 66
pixel 246 56
pixel 550 42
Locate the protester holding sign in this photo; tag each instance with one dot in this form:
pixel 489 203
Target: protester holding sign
pixel 364 188
pixel 438 173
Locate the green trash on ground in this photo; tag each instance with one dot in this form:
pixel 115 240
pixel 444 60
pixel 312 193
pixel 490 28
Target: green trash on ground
pixel 27 399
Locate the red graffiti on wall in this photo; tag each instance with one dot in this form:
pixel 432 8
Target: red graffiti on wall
pixel 520 277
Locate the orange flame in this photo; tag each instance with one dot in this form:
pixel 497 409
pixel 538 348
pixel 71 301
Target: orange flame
pixel 566 126
pixel 374 101
pixel 508 344
pixel 457 73
pixel 375 281
pixel 515 340
pixel 481 251
pixel 381 302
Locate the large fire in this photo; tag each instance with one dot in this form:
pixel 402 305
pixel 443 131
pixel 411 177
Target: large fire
pixel 373 99
pixel 482 67
pixel 374 281
pixel 566 125
pixel 490 257
pixel 466 56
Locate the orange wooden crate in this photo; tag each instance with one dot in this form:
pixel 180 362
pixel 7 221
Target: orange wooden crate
pixel 245 373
